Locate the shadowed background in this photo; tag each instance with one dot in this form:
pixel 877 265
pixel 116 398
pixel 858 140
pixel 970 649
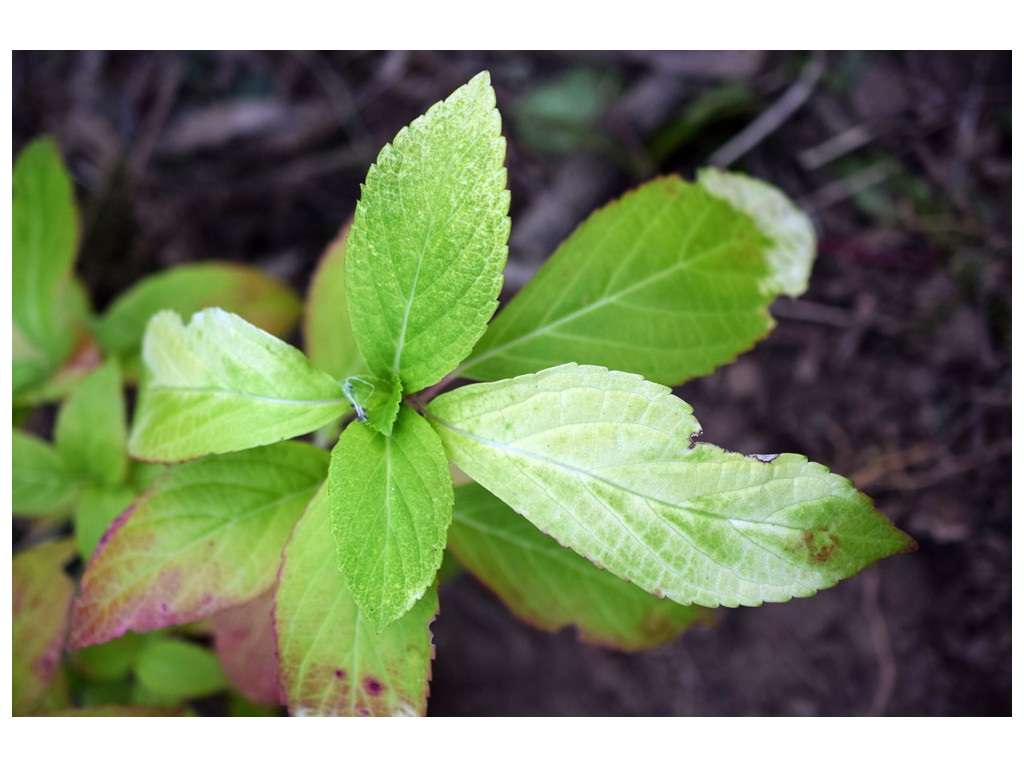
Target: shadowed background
pixel 893 369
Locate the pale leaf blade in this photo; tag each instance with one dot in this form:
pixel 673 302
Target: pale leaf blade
pixel 788 229
pixel 220 384
pixel 41 597
pixel 604 462
pixel 552 587
pixel 670 281
pixel 207 536
pixel 390 500
pixel 92 430
pixel 429 239
pixel 332 662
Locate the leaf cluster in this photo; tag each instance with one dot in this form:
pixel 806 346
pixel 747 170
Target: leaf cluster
pixel 592 503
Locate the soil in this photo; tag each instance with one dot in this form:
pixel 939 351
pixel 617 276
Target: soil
pixel 893 369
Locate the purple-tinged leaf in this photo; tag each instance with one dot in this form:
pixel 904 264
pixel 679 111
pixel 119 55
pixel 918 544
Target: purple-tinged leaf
pixel 244 640
pixel 206 536
pixel 332 661
pixel 41 596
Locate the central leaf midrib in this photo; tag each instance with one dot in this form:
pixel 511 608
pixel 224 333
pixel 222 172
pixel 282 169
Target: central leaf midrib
pixel 173 388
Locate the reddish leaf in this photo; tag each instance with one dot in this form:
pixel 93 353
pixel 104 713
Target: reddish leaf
pixel 244 640
pixel 206 536
pixel 41 596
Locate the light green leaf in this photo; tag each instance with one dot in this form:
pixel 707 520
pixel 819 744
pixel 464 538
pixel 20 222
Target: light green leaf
pixel 97 508
pixel 41 596
pixel 91 431
pixel 207 536
pixel 112 660
pixel 142 474
pixel 670 281
pixel 220 385
pixel 48 375
pixel 375 401
pixel 45 230
pixel 604 462
pixel 391 504
pixel 552 587
pixel 428 242
pixel 788 229
pixel 41 481
pixel 178 670
pixel 245 291
pixel 327 330
pixel 332 662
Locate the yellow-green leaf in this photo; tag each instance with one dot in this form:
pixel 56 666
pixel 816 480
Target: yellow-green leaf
pixel 429 239
pixel 333 662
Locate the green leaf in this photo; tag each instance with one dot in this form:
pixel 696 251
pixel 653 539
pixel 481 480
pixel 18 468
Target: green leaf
pixel 45 230
pixel 142 474
pixel 41 481
pixel 327 330
pixel 428 242
pixel 670 281
pixel 41 596
pixel 245 291
pixel 391 505
pixel 788 229
pixel 375 401
pixel 604 462
pixel 207 536
pixel 97 508
pixel 120 710
pixel 112 660
pixel 41 376
pixel 92 432
pixel 220 385
pixel 552 587
pixel 243 637
pixel 178 670
pixel 332 662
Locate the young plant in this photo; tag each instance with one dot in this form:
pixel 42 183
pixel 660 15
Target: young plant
pixel 593 505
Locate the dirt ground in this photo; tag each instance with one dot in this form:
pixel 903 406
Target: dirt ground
pixel 893 369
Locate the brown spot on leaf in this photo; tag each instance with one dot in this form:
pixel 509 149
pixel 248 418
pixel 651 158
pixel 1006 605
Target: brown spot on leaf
pixel 818 551
pixel 373 686
pixel 340 674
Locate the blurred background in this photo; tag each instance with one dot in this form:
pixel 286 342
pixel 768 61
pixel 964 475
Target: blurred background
pixel 893 369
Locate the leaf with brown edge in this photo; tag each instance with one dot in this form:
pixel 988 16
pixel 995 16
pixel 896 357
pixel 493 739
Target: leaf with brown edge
pixel 332 661
pixel 41 596
pixel 206 536
pixel 552 587
pixel 244 640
